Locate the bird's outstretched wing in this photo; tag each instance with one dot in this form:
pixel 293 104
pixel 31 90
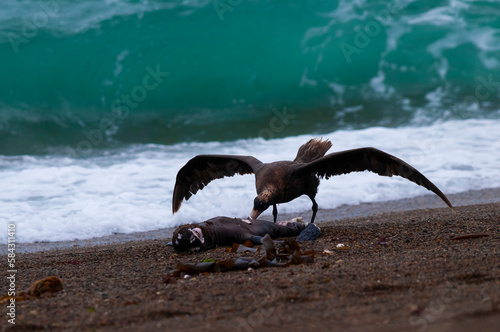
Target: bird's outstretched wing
pixel 200 170
pixel 368 159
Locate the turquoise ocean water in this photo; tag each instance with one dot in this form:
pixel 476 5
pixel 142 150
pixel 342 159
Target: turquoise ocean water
pixel 222 68
pixel 102 101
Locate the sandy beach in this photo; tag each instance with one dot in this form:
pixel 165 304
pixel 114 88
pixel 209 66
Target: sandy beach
pixel 411 270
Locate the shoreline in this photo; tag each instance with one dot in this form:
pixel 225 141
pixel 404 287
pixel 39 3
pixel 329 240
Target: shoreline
pixel 414 270
pixel 428 201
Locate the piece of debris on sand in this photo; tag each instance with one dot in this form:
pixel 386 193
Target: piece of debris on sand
pixel 288 252
pixel 45 287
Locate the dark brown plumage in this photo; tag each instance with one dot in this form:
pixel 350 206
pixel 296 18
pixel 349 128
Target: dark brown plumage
pixel 283 181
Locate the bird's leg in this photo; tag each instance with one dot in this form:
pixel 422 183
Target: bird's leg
pixel 315 209
pixel 275 212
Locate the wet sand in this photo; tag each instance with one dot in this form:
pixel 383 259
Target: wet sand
pixel 418 279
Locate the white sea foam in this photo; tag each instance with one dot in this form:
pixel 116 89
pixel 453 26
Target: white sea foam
pixel 122 191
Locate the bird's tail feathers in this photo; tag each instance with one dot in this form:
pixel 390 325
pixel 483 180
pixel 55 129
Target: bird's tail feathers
pixel 312 150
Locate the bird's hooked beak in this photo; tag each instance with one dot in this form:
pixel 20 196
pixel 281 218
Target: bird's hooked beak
pixel 255 214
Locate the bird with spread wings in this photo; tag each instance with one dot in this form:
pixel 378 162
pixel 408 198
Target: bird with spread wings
pixel 283 181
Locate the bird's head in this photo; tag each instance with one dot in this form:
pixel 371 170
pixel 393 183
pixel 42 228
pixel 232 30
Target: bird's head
pixel 260 204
